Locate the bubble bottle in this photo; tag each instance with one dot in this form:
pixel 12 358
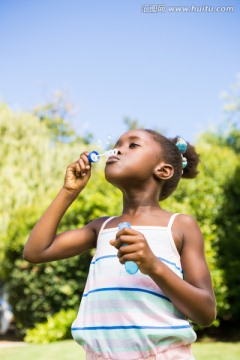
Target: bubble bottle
pixel 130 266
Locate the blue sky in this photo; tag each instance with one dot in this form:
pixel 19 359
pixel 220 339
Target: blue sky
pixel 113 60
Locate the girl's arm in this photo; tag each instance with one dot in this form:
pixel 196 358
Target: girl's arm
pixel 193 295
pixel 43 244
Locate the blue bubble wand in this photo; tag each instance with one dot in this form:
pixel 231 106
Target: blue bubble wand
pixel 94 156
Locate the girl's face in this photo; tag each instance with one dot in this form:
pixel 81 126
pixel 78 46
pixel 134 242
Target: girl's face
pixel 138 154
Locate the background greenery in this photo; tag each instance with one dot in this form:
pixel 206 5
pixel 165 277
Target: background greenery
pixel 37 147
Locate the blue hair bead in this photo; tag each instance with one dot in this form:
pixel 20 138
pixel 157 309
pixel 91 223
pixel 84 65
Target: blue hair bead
pixel 184 162
pixel 182 145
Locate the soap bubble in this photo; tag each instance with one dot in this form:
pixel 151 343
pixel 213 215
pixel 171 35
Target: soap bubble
pixel 103 148
pixel 109 142
pixel 105 143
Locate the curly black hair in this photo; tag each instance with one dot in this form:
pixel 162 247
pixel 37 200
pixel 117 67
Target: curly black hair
pixel 171 154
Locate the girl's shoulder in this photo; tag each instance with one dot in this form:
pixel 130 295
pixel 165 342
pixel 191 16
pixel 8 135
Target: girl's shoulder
pixel 183 224
pixel 184 220
pixel 98 224
pixel 184 228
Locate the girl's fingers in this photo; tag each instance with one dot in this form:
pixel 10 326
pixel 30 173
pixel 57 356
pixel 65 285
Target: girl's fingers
pixel 127 249
pixel 126 231
pixel 125 239
pixel 82 167
pixel 84 157
pixel 84 164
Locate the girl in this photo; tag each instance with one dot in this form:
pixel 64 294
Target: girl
pixel 140 316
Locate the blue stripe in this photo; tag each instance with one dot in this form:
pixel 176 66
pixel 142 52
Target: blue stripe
pixel 162 259
pixel 178 327
pixel 103 257
pixel 127 289
pixel 171 263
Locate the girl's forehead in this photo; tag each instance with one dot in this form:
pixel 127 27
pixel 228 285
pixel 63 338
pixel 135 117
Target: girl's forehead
pixel 136 134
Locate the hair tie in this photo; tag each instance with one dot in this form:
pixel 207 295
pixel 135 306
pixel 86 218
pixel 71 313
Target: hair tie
pixel 182 147
pixel 184 162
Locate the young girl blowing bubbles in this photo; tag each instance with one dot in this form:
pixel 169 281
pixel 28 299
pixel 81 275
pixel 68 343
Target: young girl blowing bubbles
pixel 140 316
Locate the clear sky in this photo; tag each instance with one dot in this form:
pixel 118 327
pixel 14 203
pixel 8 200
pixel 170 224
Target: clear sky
pixel 117 58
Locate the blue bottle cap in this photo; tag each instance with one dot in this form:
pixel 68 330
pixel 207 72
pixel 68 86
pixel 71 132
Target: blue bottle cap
pixel 124 225
pixel 93 156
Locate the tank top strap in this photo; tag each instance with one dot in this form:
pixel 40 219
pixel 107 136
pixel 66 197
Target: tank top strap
pixel 105 223
pixel 171 220
pixel 169 230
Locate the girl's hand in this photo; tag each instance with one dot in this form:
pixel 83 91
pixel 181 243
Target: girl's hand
pixel 78 174
pixel 136 249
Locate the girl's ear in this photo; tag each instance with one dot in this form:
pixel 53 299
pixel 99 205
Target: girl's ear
pixel 163 171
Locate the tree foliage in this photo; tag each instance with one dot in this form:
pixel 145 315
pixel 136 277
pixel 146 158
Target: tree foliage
pixel 32 171
pixel 56 115
pixel 31 167
pixel 228 247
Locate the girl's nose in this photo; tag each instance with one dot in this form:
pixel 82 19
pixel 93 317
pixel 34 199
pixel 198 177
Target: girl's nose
pixel 119 152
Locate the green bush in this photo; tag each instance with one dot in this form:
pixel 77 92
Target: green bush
pixel 57 327
pixel 31 172
pixel 39 291
pixel 228 248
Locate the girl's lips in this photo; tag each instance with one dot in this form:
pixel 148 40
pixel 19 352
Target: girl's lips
pixel 112 159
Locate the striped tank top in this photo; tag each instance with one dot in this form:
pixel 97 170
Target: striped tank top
pixel 125 316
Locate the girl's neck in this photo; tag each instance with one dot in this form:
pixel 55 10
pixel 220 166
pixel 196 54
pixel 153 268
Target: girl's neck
pixel 139 204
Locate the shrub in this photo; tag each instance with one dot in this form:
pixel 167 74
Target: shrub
pixel 37 291
pixel 57 327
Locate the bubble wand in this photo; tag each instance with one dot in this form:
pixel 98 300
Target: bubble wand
pixel 94 156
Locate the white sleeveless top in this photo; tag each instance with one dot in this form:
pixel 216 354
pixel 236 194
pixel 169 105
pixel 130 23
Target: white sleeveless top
pixel 125 316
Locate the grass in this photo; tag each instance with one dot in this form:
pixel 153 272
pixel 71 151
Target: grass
pixel 69 350
pixel 216 351
pixel 62 350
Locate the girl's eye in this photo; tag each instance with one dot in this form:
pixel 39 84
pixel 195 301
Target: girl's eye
pixel 133 145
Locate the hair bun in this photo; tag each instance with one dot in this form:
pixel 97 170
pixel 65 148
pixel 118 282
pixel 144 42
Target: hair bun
pixel 190 170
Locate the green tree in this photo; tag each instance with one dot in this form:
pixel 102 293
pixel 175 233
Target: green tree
pixel 232 112
pixel 232 104
pixel 31 168
pixel 32 171
pixel 57 116
pixel 228 247
pixel 228 132
pixel 228 218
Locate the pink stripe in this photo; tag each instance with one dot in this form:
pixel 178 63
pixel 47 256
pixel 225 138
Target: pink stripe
pixel 136 310
pixel 119 304
pixel 177 351
pixel 128 318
